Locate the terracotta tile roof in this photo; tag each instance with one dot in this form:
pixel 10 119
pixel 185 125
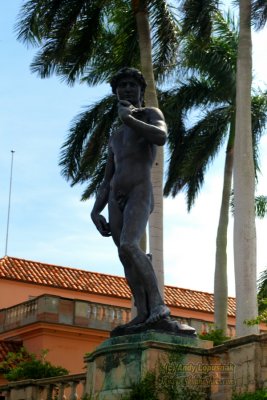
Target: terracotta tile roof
pixel 8 346
pixel 93 282
pixel 63 277
pixel 194 300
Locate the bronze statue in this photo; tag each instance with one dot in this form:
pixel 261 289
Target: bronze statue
pixel 127 191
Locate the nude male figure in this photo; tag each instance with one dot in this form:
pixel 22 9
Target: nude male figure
pixel 127 190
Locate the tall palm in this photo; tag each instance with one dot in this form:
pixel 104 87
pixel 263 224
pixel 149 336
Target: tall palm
pixel 87 40
pixel 210 86
pixel 245 268
pixel 140 9
pixel 244 184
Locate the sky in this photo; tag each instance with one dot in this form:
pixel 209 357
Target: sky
pixel 49 223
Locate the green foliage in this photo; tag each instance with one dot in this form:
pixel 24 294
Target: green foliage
pixel 25 365
pixel 216 335
pixel 87 397
pixel 145 389
pixel 169 382
pixel 90 40
pixel 260 206
pixel 259 14
pixel 262 300
pixel 262 317
pixel 258 395
pixel 262 291
pixel 153 387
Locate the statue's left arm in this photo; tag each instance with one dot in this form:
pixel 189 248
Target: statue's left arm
pixel 102 197
pixel 154 131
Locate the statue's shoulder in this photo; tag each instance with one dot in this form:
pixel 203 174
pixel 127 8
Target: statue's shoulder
pixel 154 112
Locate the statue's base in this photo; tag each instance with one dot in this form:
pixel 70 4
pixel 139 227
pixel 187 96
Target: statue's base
pixel 164 325
pixel 122 361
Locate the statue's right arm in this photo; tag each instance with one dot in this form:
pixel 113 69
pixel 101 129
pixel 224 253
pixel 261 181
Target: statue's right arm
pixel 102 197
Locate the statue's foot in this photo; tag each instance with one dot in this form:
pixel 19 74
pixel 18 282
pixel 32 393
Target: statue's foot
pixel 158 313
pixel 139 319
pixel 124 329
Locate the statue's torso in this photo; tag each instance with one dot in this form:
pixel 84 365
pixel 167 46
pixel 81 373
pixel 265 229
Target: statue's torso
pixel 133 158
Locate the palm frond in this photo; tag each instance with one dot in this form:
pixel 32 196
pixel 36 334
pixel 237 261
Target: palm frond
pixel 27 27
pixel 70 44
pixel 95 181
pixel 195 92
pixel 38 18
pixel 119 47
pixel 215 59
pixel 85 148
pixel 197 16
pixel 165 37
pixel 71 35
pixel 259 113
pixel 261 206
pixel 258 122
pixel 259 13
pixel 190 159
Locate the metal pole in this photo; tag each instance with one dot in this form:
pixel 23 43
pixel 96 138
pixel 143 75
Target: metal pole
pixel 9 199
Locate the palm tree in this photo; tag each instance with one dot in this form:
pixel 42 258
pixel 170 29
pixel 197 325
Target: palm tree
pixel 244 184
pixel 88 41
pixel 245 268
pixel 140 9
pixel 210 85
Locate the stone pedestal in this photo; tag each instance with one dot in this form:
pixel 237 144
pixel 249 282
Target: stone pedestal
pixel 121 361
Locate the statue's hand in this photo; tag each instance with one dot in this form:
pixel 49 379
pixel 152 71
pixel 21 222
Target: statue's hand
pixel 125 109
pixel 101 224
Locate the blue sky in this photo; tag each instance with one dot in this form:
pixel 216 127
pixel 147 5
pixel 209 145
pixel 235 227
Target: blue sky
pixel 48 223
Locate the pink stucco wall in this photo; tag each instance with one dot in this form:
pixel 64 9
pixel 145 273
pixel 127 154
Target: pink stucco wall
pixel 13 292
pixel 67 346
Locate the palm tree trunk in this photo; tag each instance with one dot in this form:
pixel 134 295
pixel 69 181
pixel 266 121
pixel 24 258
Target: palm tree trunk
pixel 244 183
pixel 156 218
pixel 220 276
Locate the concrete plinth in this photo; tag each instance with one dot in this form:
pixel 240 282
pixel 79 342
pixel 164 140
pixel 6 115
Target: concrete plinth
pixel 120 362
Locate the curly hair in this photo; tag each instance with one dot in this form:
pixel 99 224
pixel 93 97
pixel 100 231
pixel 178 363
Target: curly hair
pixel 128 72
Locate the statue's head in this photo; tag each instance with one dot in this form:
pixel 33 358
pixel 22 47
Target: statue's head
pixel 132 73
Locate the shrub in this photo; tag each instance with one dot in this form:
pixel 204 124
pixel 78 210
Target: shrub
pixel 216 335
pixel 258 395
pixel 145 389
pixel 25 365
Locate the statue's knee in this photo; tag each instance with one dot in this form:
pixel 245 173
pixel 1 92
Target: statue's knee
pixel 126 249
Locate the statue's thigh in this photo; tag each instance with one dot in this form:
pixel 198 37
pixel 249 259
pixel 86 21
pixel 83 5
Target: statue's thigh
pixel 115 220
pixel 135 217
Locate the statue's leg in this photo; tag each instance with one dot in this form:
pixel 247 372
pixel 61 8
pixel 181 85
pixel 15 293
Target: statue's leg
pixel 135 217
pixel 116 224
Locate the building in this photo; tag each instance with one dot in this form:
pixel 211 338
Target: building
pixel 70 311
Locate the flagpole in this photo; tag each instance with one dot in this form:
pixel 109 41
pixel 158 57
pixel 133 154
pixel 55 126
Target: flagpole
pixel 9 199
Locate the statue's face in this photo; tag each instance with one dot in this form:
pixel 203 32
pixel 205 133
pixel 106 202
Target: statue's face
pixel 129 89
